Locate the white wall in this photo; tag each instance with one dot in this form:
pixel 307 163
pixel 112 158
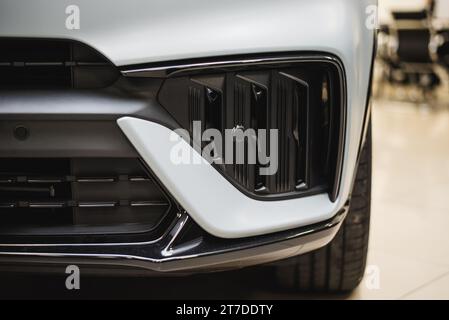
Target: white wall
pixel 386 6
pixel 442 9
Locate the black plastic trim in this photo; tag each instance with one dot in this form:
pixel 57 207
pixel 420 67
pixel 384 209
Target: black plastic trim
pixel 173 253
pixel 227 63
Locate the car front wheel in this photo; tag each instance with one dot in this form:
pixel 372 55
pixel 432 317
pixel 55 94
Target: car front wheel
pixel 339 266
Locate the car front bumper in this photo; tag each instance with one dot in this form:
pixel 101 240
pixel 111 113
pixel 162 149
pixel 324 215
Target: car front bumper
pixel 233 230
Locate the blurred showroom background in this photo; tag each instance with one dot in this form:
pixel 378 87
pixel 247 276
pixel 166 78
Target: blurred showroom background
pixel 409 244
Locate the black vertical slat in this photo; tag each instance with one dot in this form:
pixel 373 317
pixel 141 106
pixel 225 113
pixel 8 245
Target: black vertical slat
pixel 291 105
pixel 196 107
pixel 281 128
pixel 213 109
pixel 235 122
pixel 240 121
pixel 214 117
pixel 272 123
pixel 330 126
pixel 242 115
pixel 297 122
pixel 259 120
pixel 249 168
pixel 287 148
pixel 278 107
pixel 229 113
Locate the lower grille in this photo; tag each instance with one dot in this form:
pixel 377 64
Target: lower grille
pixel 50 64
pixel 78 196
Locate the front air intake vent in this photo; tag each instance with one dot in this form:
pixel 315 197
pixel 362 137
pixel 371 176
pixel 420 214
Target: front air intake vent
pixel 79 196
pixel 52 64
pixel 303 100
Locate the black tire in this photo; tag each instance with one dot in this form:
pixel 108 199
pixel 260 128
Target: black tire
pixel 338 267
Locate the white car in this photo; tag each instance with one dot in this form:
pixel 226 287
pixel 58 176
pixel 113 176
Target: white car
pixel 187 136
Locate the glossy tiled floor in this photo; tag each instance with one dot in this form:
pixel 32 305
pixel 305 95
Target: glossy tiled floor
pixel 409 245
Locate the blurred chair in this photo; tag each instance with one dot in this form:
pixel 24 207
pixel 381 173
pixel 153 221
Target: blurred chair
pixel 439 43
pixel 442 48
pixel 439 47
pixel 405 54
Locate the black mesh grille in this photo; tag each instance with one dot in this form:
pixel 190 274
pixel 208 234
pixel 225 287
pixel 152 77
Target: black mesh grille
pixel 303 101
pixel 67 197
pixel 42 64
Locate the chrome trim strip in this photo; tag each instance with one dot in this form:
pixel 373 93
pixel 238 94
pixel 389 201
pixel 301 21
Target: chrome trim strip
pixel 71 179
pixel 94 180
pixel 138 179
pixel 43 180
pixel 62 204
pixel 174 233
pixel 199 65
pixel 97 204
pixel 172 68
pixel 46 205
pixel 148 204
pixel 7 205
